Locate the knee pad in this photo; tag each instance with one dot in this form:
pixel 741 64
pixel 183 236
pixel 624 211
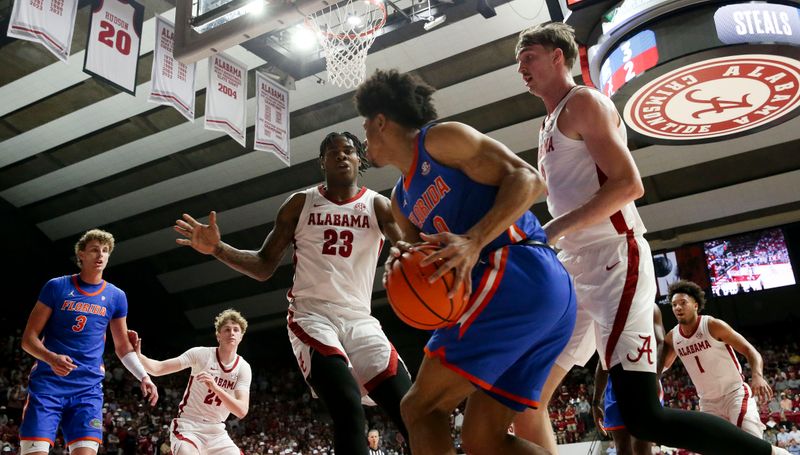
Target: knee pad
pixel 27 446
pixel 88 443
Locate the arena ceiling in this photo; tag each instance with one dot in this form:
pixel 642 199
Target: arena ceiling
pixel 77 154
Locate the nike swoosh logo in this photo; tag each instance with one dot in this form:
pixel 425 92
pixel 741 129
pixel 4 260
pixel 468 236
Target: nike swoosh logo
pixel 319 205
pixel 609 267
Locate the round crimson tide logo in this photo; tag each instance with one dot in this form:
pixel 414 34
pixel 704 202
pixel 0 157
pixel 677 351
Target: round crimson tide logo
pixel 716 98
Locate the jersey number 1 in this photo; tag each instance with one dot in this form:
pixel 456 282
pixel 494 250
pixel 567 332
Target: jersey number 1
pixel 697 359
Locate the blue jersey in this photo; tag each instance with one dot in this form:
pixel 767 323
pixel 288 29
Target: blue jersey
pixel 76 328
pixel 437 198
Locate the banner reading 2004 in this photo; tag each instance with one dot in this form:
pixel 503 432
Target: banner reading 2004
pixel 226 96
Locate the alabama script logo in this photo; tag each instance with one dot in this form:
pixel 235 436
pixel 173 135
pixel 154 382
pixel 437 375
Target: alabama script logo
pixel 716 98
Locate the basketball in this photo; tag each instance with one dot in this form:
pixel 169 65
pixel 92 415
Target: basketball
pixel 417 302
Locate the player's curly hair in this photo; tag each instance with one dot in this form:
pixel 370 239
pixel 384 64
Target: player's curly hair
pixel 361 149
pixel 230 315
pixel 402 97
pixel 691 289
pixel 105 238
pixel 552 35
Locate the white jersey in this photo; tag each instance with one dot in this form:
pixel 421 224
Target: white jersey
pixel 336 248
pixel 199 403
pixel 573 177
pixel 712 364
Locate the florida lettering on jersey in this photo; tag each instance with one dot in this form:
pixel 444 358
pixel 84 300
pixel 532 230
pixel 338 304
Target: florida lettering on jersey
pixel 83 307
pixel 437 198
pixel 428 201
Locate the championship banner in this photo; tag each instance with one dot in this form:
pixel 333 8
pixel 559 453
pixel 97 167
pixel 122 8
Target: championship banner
pixel 226 96
pixel 48 22
pixel 172 81
pixel 112 48
pixel 272 118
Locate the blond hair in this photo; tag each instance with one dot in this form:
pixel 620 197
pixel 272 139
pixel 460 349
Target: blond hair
pixel 553 35
pixel 105 238
pixel 230 315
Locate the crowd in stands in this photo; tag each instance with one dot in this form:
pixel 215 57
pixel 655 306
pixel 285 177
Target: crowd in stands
pixel 284 419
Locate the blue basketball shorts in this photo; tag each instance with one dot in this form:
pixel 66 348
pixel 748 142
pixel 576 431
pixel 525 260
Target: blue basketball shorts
pixel 520 316
pixel 80 416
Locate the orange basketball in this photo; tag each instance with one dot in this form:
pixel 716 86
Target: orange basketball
pixel 417 302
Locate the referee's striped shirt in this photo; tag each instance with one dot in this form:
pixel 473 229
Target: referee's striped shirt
pixel 376 452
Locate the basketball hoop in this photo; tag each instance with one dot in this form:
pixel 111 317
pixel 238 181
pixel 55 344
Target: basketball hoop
pixel 346 31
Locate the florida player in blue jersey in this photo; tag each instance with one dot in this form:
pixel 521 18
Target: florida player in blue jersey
pixel 66 334
pixel 471 193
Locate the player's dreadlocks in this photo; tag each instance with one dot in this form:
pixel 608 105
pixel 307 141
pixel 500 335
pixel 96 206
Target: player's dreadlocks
pixel 361 150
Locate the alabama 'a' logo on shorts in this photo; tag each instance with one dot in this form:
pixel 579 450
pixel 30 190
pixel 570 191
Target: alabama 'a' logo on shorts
pixel 717 97
pixel 645 350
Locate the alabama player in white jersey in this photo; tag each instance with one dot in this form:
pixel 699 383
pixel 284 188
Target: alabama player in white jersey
pixel 592 183
pixel 337 230
pixel 219 385
pixel 706 347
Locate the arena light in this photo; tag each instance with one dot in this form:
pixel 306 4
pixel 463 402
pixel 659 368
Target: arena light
pixel 303 38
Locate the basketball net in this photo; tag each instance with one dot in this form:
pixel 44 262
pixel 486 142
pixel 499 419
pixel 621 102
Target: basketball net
pixel 346 31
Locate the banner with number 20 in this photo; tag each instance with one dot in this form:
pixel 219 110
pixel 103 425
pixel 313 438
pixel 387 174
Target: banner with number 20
pixel 112 50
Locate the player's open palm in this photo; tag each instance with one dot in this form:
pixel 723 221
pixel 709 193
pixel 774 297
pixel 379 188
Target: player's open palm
pixel 202 237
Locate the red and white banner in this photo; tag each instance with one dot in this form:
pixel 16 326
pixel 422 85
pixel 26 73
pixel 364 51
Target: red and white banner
pixel 226 96
pixel 112 49
pixel 48 22
pixel 172 81
pixel 272 118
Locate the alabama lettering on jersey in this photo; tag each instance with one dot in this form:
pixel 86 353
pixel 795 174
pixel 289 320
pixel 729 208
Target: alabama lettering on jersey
pixel 199 403
pixel 112 49
pixel 712 365
pixel 573 178
pixel 438 198
pixel 76 328
pixel 340 242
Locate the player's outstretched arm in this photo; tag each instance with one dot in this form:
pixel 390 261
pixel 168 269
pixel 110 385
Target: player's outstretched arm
pixel 238 403
pixel 152 366
pixel 128 357
pixel 261 264
pixel 720 330
pixel 593 117
pixel 62 365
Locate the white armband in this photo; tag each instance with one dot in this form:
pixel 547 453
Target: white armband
pixel 132 363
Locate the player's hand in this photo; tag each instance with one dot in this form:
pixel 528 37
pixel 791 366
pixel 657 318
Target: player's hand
pixel 459 253
pixel 62 365
pixel 395 252
pixel 204 238
pixel 149 390
pixel 136 342
pixel 761 389
pixel 205 378
pixel 597 413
